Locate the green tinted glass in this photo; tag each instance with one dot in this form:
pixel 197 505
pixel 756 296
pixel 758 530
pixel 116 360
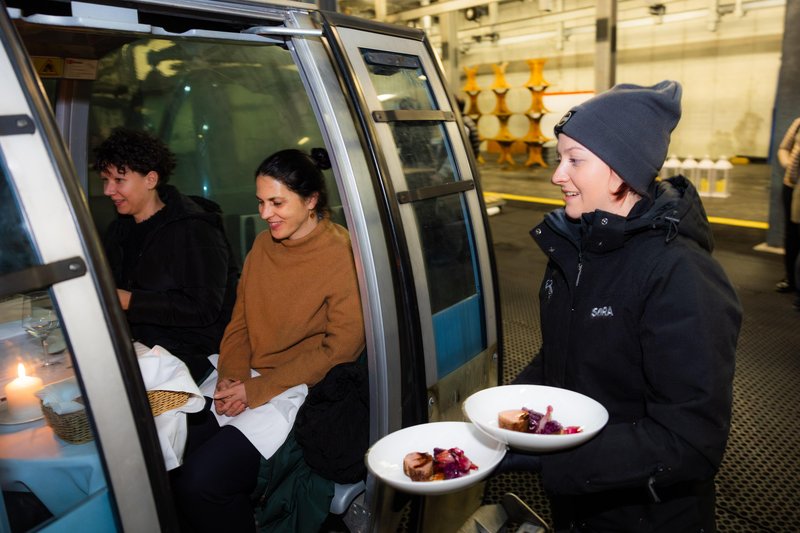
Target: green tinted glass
pixel 222 108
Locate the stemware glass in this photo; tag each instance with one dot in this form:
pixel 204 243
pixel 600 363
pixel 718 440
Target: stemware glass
pixel 39 319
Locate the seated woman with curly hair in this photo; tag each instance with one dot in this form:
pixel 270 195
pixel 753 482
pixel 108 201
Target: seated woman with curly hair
pixel 174 270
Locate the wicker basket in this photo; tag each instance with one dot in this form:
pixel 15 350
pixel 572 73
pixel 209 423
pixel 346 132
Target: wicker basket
pixel 74 427
pixel 71 427
pixel 162 401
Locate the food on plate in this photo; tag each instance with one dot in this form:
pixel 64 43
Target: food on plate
pixel 530 421
pixel 513 419
pixel 443 464
pixel 418 466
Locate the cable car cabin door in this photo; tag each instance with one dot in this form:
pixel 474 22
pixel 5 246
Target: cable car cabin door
pixel 85 458
pixel 432 190
pixel 433 200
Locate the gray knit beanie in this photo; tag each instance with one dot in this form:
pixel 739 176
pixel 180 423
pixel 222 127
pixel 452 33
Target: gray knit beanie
pixel 628 127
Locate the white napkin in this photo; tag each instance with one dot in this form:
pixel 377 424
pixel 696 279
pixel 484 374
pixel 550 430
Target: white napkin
pixel 266 426
pixel 163 371
pixel 140 348
pixel 61 396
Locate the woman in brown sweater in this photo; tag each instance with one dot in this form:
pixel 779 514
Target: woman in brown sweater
pixel 297 315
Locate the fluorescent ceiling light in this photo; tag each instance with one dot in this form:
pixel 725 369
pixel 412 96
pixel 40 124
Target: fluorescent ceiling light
pixel 516 39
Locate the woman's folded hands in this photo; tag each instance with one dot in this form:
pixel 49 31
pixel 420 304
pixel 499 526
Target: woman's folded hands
pixel 230 397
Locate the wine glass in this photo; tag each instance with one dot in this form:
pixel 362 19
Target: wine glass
pixel 39 319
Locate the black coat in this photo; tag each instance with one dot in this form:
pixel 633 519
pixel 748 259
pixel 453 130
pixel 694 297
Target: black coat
pixel 638 315
pixel 184 284
pixel 473 135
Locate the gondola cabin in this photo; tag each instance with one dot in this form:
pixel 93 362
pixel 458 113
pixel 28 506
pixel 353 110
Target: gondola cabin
pixel 224 84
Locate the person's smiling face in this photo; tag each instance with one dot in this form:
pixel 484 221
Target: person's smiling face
pixel 133 193
pixel 585 180
pixel 289 215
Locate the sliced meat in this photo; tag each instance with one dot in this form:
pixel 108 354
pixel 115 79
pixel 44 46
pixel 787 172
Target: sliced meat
pixel 418 466
pixel 513 419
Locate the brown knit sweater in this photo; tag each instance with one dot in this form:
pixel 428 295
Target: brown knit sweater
pixel 297 313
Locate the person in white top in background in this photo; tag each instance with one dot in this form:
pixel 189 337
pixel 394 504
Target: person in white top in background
pixel 789 158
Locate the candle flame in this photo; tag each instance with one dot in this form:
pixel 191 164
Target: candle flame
pixel 20 370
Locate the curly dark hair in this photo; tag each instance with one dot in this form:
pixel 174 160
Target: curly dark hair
pixel 137 151
pixel 300 172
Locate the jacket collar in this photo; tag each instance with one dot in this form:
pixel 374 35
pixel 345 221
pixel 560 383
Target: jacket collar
pixel 675 209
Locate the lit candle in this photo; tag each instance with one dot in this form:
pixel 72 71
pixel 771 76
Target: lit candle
pixel 23 404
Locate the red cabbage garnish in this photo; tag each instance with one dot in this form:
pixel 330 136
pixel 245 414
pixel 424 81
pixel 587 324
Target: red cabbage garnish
pixel 451 463
pixel 543 423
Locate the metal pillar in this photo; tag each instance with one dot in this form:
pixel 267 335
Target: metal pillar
pixel 605 62
pixel 787 108
pixel 450 56
pixel 380 10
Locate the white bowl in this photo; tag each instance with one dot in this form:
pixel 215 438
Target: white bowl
pixel 569 408
pixel 385 457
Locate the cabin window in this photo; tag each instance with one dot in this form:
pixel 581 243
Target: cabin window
pixel 399 80
pixel 434 187
pixel 221 107
pixel 17 249
pixel 48 467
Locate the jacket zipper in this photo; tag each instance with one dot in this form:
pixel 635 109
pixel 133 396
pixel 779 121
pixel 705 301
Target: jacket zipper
pixel 580 269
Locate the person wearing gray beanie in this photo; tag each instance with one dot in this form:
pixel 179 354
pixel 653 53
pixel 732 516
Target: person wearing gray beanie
pixel 636 313
pixel 628 127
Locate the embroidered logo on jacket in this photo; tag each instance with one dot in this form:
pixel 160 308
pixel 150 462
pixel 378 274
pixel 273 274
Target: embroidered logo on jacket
pixel 599 312
pixel 548 289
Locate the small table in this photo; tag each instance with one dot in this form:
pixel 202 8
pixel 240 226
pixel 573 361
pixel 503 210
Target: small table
pixel 60 474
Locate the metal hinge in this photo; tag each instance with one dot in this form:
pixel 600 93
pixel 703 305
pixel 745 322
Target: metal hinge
pixel 16 125
pixel 41 276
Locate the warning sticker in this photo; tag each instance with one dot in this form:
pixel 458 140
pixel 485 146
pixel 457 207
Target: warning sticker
pixel 80 69
pixel 48 67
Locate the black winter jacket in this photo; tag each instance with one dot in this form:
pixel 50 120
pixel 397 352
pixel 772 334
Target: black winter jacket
pixel 184 285
pixel 473 135
pixel 637 314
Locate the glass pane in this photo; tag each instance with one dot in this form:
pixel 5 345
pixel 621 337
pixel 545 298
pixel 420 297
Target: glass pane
pixel 49 464
pixel 445 232
pixel 447 250
pixel 426 156
pixel 455 294
pixel 17 249
pixel 222 108
pixel 399 80
pixel 50 87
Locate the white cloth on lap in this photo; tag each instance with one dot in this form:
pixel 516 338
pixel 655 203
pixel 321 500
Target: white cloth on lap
pixel 163 371
pixel 266 426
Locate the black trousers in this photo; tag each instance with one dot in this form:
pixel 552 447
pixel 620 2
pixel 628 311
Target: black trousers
pixel 213 486
pixel 791 237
